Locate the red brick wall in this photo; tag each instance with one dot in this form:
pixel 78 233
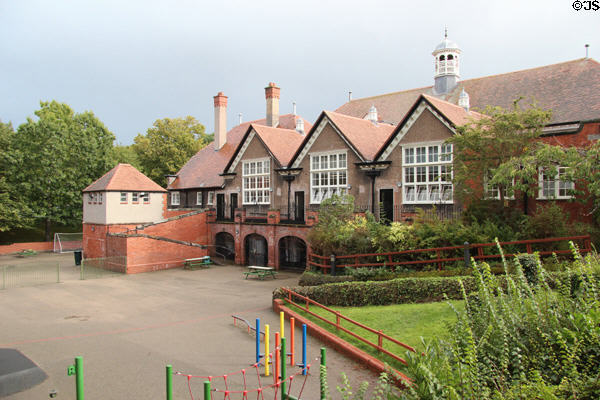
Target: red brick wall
pixel 16 247
pixel 188 229
pixel 95 237
pixel 144 254
pixel 272 233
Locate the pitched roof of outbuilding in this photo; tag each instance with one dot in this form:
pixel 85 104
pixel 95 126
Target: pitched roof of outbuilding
pixel 204 168
pixel 124 177
pixel 570 89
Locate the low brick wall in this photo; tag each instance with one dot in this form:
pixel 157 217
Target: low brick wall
pixel 16 247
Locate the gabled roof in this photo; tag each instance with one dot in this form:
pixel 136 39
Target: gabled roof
pixel 362 136
pixel 124 177
pixel 280 143
pixel 204 168
pixel 570 89
pixel 449 114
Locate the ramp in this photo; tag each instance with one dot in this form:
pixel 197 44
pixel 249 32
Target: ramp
pixel 17 372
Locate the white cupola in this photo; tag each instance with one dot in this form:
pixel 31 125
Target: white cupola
pixel 447 71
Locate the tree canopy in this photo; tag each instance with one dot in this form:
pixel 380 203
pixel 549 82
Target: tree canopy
pixel 59 154
pixel 168 145
pixel 503 148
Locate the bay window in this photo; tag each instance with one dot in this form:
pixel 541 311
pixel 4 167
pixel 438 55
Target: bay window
pixel 328 175
pixel 427 174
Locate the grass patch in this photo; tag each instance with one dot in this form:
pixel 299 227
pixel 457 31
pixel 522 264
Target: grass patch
pixel 404 322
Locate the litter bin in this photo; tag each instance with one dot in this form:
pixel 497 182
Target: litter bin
pixel 78 255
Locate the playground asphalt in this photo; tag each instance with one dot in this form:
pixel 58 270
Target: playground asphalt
pixel 128 328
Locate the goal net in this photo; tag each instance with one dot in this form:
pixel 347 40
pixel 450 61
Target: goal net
pixel 66 242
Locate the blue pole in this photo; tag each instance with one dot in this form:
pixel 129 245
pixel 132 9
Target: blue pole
pixel 257 340
pixel 303 349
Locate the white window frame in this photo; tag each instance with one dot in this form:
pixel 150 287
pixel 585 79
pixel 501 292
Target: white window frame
pixel 100 197
pixel 323 174
pixel 557 183
pixel 210 199
pixel 124 197
pixel 135 197
pixel 145 197
pixel 256 181
pixel 199 198
pixel 420 161
pixel 175 198
pixel 492 192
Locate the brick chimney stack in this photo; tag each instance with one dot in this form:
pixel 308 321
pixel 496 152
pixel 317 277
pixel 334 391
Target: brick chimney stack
pixel 272 96
pixel 220 120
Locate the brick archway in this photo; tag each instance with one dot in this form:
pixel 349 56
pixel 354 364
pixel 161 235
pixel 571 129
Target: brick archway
pixel 256 250
pixel 292 253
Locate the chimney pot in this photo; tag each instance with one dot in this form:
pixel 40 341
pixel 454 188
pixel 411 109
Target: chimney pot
pixel 220 120
pixel 272 97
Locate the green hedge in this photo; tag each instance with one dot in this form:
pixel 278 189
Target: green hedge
pixel 402 290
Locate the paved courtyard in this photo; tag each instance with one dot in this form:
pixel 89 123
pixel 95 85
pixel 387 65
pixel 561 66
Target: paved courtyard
pixel 128 328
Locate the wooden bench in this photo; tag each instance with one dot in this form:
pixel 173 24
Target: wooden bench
pixel 195 263
pixel 260 272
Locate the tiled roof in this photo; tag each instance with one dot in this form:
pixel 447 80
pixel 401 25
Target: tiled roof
pixel 456 114
pixel 124 177
pixel 282 143
pixel 366 136
pixel 570 89
pixel 203 169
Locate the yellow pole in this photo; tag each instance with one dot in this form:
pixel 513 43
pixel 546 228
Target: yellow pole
pixel 281 323
pixel 267 358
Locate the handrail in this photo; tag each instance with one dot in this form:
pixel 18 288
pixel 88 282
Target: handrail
pixel 389 262
pixel 380 335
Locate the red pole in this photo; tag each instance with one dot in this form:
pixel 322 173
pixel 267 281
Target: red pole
pixel 292 321
pixel 277 356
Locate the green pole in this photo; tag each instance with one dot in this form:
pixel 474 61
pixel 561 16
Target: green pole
pixel 206 390
pixel 169 382
pixel 79 377
pixel 323 364
pixel 283 369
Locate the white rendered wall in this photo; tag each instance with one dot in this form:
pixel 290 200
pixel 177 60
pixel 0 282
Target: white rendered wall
pixel 112 211
pixel 94 213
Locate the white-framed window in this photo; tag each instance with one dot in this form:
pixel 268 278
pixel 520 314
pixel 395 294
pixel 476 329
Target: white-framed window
pixel 328 175
pixel 555 187
pixel 210 200
pixel 427 170
pixel 90 198
pixel 198 198
pixel 100 197
pixel 124 197
pixel 146 197
pixel 492 192
pixel 175 198
pixel 135 197
pixel 256 181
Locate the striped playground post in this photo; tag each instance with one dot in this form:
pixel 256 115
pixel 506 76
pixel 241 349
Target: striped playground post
pixel 257 340
pixel 292 323
pixel 281 323
pixel 169 382
pixel 323 364
pixel 207 390
pixel 283 370
pixel 267 355
pixel 303 349
pixel 277 358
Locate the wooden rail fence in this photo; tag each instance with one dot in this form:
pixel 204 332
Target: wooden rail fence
pixel 444 255
pixel 381 337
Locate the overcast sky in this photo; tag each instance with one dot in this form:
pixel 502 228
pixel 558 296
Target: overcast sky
pixel 132 62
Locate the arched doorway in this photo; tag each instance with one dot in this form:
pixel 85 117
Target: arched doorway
pixel 292 253
pixel 257 252
pixel 225 245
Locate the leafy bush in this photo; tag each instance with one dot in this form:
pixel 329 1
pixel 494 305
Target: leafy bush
pixel 518 341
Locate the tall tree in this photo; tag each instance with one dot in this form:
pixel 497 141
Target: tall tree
pixel 126 154
pixel 61 153
pixel 14 212
pixel 504 148
pixel 168 145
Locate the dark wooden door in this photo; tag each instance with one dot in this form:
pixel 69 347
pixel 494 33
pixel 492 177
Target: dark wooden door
pixel 233 204
pixel 256 250
pixel 299 206
pixel 220 206
pixel 386 201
